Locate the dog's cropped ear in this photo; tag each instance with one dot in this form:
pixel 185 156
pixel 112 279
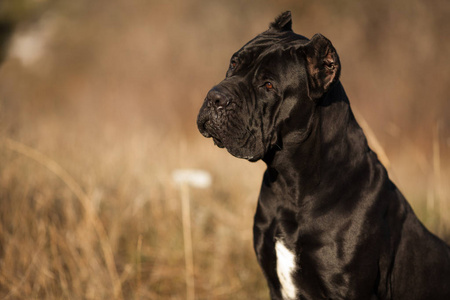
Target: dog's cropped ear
pixel 322 65
pixel 283 22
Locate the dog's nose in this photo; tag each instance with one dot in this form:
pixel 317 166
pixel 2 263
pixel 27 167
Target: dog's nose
pixel 218 99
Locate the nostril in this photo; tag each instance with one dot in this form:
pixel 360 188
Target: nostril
pixel 218 99
pixel 221 103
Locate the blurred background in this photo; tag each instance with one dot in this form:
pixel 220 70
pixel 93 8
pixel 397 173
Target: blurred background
pixel 98 106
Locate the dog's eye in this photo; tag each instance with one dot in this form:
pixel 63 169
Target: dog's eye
pixel 268 85
pixel 233 65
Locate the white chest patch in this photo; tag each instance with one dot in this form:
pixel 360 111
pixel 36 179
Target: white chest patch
pixel 286 266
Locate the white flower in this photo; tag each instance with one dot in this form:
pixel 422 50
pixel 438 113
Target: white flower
pixel 192 177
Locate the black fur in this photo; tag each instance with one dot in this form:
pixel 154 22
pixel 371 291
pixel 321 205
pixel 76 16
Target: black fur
pixel 324 194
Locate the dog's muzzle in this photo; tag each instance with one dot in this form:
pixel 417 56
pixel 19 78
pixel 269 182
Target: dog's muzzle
pixel 213 115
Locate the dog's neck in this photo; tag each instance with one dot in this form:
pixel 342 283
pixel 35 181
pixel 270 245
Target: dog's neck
pixel 333 139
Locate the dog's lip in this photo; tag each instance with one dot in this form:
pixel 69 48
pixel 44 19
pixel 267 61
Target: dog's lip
pixel 202 127
pixel 218 142
pixel 206 131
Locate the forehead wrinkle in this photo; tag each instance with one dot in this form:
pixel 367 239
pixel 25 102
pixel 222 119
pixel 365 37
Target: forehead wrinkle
pixel 265 69
pixel 263 43
pixel 264 59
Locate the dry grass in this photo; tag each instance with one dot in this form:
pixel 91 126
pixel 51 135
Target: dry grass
pixel 51 246
pixel 91 133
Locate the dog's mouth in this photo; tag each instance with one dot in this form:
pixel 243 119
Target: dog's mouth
pixel 207 130
pixel 237 149
pixel 227 131
pixel 218 142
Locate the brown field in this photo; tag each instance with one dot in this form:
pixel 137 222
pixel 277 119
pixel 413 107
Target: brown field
pixel 93 126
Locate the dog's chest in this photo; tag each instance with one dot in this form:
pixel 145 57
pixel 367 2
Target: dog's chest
pixel 286 267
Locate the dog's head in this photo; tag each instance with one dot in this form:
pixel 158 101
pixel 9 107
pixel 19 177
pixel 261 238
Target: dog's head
pixel 271 87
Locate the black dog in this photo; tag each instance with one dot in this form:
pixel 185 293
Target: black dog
pixel 329 222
